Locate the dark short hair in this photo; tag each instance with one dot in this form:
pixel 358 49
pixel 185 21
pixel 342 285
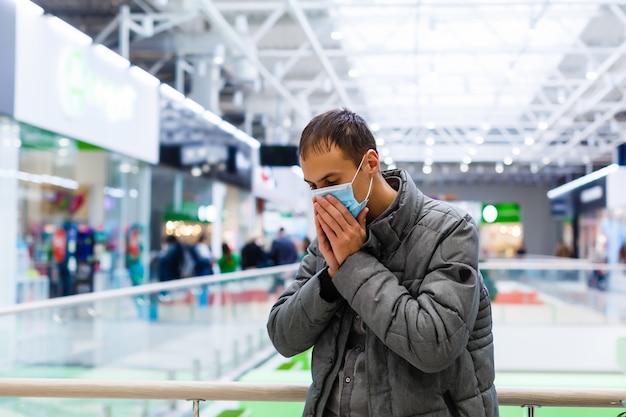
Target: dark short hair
pixel 340 127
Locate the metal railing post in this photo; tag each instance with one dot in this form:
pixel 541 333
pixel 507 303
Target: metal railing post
pixel 236 353
pixel 531 409
pixel 218 364
pixel 171 376
pixel 262 338
pixel 250 341
pixel 106 410
pixel 196 367
pixel 196 408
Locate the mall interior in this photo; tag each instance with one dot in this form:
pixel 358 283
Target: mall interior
pixel 125 123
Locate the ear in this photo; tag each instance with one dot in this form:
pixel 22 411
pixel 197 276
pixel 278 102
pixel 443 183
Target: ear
pixel 372 161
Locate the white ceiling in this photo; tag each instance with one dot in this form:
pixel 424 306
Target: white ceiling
pixel 529 87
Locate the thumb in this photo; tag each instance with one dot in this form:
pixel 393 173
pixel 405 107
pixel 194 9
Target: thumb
pixel 362 216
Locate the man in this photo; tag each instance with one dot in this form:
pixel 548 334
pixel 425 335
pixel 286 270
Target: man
pixel 171 259
pixel 390 295
pixel 253 255
pixel 283 250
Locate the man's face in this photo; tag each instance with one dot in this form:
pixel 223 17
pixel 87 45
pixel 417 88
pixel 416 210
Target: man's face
pixel 333 168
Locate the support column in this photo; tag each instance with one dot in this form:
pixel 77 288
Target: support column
pixel 206 83
pixel 9 166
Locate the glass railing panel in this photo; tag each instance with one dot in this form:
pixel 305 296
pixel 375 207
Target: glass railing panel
pixel 573 290
pixel 195 329
pixel 549 318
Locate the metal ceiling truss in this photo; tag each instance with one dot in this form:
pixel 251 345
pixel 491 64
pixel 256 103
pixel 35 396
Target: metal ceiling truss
pixel 567 129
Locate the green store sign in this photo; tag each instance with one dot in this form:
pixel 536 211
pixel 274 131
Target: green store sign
pixel 81 88
pixel 501 213
pixel 189 211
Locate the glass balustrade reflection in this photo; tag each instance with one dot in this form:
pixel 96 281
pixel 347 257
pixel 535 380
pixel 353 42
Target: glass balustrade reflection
pixel 194 329
pixel 215 329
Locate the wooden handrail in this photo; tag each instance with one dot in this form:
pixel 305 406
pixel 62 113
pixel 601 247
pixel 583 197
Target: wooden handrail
pixel 244 391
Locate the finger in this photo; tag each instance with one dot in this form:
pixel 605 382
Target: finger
pixel 328 229
pixel 362 217
pixel 321 236
pixel 325 246
pixel 341 210
pixel 332 217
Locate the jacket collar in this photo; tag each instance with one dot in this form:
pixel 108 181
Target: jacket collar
pixel 388 230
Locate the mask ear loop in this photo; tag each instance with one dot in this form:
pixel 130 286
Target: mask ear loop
pixel 369 190
pixel 358 169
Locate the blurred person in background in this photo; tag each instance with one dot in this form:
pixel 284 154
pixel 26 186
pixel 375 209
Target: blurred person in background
pixel 253 255
pixel 229 261
pixel 562 250
pixel 306 242
pixel 283 250
pixel 202 256
pixel 171 259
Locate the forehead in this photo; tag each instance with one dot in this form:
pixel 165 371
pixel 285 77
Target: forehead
pixel 320 163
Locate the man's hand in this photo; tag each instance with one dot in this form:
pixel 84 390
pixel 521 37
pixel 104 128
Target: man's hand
pixel 339 234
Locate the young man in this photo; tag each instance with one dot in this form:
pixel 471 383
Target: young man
pixel 390 296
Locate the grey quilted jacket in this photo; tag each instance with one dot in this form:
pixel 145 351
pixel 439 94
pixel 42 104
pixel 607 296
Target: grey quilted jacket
pixel 416 285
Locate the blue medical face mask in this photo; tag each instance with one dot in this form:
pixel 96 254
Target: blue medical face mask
pixel 344 193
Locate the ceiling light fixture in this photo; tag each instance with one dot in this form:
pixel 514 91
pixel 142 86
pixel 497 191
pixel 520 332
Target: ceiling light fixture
pixel 603 172
pixel 591 73
pixel 219 54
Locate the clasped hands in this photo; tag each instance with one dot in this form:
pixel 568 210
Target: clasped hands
pixel 338 233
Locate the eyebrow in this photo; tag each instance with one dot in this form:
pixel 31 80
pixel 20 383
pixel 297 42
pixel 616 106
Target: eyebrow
pixel 330 174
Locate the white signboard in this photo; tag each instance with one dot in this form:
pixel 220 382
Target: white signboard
pixel 69 86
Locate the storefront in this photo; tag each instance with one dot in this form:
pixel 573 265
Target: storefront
pixel 78 139
pixel 501 230
pixel 284 201
pixel 204 182
pixel 597 204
